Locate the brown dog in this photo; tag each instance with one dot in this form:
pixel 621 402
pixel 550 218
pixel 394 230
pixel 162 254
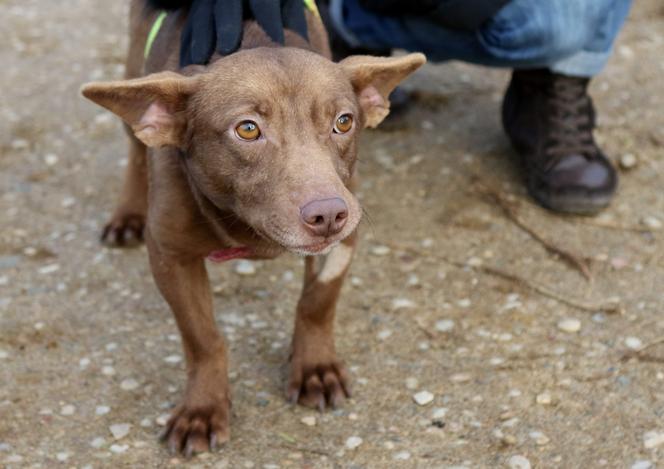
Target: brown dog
pixel 249 157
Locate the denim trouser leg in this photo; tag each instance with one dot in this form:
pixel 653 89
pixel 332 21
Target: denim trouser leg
pixel 573 37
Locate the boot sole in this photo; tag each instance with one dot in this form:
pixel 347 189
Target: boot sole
pixel 575 205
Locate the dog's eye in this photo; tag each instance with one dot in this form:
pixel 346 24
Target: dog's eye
pixel 344 124
pixel 248 130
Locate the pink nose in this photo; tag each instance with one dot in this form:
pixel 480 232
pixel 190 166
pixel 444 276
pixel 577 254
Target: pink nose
pixel 325 217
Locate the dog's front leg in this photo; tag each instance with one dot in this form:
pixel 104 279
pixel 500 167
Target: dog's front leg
pixel 201 420
pixel 317 377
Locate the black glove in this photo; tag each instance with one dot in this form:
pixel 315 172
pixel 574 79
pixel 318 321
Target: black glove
pixel 218 24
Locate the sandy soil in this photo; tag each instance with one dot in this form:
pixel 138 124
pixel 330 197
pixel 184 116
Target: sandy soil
pixel 86 342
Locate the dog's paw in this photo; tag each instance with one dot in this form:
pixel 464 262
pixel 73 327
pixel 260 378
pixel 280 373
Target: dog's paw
pixel 124 230
pixel 325 384
pixel 194 429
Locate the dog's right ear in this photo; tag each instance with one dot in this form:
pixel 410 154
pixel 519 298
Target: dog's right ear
pixel 153 106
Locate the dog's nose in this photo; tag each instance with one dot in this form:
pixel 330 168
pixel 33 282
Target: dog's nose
pixel 325 217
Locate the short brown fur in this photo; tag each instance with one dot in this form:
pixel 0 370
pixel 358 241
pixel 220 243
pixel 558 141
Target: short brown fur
pixel 199 189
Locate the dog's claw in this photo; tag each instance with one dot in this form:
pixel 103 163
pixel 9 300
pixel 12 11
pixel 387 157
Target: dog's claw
pixel 319 387
pixel 173 448
pixel 123 230
pixel 188 450
pixel 293 396
pixel 197 428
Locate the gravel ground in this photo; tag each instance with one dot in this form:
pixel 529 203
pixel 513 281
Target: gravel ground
pixel 453 365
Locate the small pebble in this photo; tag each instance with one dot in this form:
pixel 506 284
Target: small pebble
pixel 146 422
pixel 49 269
pixel 444 325
pixel 162 419
pixel 423 398
pixel 68 202
pixel 543 398
pixel 439 413
pixel 474 262
pixel 173 359
pixel 309 420
pixel 642 464
pixel 402 456
pixel 460 377
pixel 128 384
pixel 633 343
pixel 50 159
pixel 68 410
pixel 108 370
pixel 411 383
pixel 102 410
pixel 98 442
pixel 518 462
pixel 505 438
pixel 384 334
pixel 628 161
pixel 3 354
pixel 464 303
pixel 380 250
pixel 569 325
pixel 245 267
pixel 653 439
pixel 119 449
pixel 652 223
pixel 62 457
pixel 120 430
pixel 413 280
pixel 356 281
pixel 353 442
pixel 402 303
pixel 540 438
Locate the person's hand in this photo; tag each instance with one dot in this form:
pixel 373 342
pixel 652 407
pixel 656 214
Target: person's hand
pixel 217 25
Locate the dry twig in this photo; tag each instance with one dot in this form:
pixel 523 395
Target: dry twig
pixel 511 212
pixel 609 307
pixel 639 353
pixel 614 226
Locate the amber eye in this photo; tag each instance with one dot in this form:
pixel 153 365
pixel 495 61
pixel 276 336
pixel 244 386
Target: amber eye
pixel 248 130
pixel 344 124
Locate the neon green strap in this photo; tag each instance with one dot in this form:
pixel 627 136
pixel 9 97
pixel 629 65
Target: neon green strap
pixel 156 26
pixel 311 5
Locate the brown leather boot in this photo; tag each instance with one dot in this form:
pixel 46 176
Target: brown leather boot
pixel 550 120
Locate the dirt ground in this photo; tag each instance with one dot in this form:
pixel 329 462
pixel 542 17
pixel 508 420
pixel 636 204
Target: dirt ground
pixel 87 344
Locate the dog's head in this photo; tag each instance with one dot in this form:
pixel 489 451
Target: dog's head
pixel 267 133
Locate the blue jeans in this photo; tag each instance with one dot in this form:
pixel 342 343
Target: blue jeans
pixel 571 37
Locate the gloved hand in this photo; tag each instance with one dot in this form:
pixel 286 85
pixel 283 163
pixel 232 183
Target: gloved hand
pixel 217 24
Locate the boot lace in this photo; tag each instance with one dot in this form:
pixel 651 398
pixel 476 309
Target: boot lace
pixel 571 120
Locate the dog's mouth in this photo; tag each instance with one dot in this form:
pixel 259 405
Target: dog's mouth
pixel 314 249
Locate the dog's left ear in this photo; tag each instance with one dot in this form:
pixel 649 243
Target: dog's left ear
pixel 374 78
pixel 152 106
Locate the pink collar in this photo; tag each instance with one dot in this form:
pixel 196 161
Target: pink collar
pixel 230 253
